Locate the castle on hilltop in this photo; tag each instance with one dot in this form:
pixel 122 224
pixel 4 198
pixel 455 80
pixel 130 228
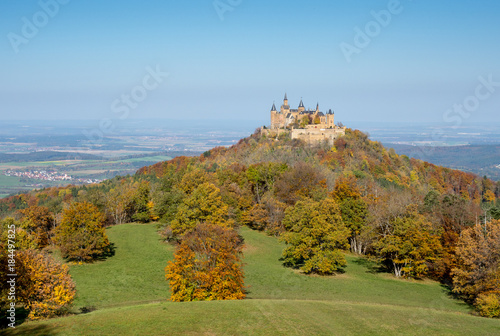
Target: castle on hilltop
pixel 312 126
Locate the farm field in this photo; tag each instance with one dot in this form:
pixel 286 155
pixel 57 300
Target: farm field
pixel 80 169
pixel 130 296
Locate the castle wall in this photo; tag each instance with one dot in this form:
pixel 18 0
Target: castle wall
pixel 315 135
pixel 273 132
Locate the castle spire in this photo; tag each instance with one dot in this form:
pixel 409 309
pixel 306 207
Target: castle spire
pixel 317 107
pixel 285 97
pixel 273 109
pixel 301 103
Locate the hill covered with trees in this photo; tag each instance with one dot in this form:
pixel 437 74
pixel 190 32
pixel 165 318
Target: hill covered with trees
pixel 415 219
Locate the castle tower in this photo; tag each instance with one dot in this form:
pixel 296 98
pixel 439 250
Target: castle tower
pixel 330 119
pixel 274 117
pixel 285 108
pixel 301 106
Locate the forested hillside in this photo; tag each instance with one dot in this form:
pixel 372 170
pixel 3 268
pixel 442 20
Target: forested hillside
pixel 416 219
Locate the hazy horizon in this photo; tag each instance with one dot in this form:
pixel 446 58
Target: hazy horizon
pixel 403 61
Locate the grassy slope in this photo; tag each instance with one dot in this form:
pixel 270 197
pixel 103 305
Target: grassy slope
pixel 280 301
pixel 135 274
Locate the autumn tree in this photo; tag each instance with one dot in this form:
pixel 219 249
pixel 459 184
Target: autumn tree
pixel 454 214
pixel 303 181
pixel 316 234
pixel 203 205
pixel 306 120
pixel 476 276
pixel 263 176
pixel 119 203
pixel 235 190
pixel 192 179
pixel 207 265
pixel 256 217
pixel 409 244
pixel 142 207
pixel 37 223
pixel 81 235
pixel 354 211
pixel 166 203
pixel 44 286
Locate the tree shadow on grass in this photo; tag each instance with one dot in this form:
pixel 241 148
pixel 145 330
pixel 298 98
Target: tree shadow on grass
pixel 32 330
pixel 372 266
pixel 297 269
pixel 108 253
pixel 454 296
pixel 21 317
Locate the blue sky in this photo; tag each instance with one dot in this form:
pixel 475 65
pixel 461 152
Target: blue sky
pixel 88 55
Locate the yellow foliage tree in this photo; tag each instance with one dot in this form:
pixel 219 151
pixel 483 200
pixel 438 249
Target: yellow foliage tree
pixel 478 261
pixel 316 234
pixel 81 235
pixel 37 222
pixel 44 286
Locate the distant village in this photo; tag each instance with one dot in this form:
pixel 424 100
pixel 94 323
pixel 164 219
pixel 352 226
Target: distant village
pixel 49 176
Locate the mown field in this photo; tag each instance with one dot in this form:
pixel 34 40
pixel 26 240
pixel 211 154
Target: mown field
pixel 130 296
pixel 11 184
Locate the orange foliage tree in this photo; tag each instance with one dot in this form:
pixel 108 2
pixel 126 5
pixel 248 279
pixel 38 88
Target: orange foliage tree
pixel 207 265
pixel 477 274
pixel 37 222
pixel 44 286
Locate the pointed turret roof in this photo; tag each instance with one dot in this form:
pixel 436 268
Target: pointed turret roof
pixel 317 107
pixel 273 109
pixel 301 103
pixel 285 97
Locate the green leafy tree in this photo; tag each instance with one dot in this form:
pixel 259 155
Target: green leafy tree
pixel 354 212
pixel 141 204
pixel 263 176
pixel 304 121
pixel 81 235
pixel 316 233
pixel 203 205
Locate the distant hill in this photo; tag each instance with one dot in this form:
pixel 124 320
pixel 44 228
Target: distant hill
pixel 47 156
pixel 478 159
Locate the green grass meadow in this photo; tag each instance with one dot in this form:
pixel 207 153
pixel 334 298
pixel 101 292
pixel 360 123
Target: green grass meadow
pixel 135 274
pixel 130 296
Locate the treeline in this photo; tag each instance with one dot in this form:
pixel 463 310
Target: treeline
pixel 418 219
